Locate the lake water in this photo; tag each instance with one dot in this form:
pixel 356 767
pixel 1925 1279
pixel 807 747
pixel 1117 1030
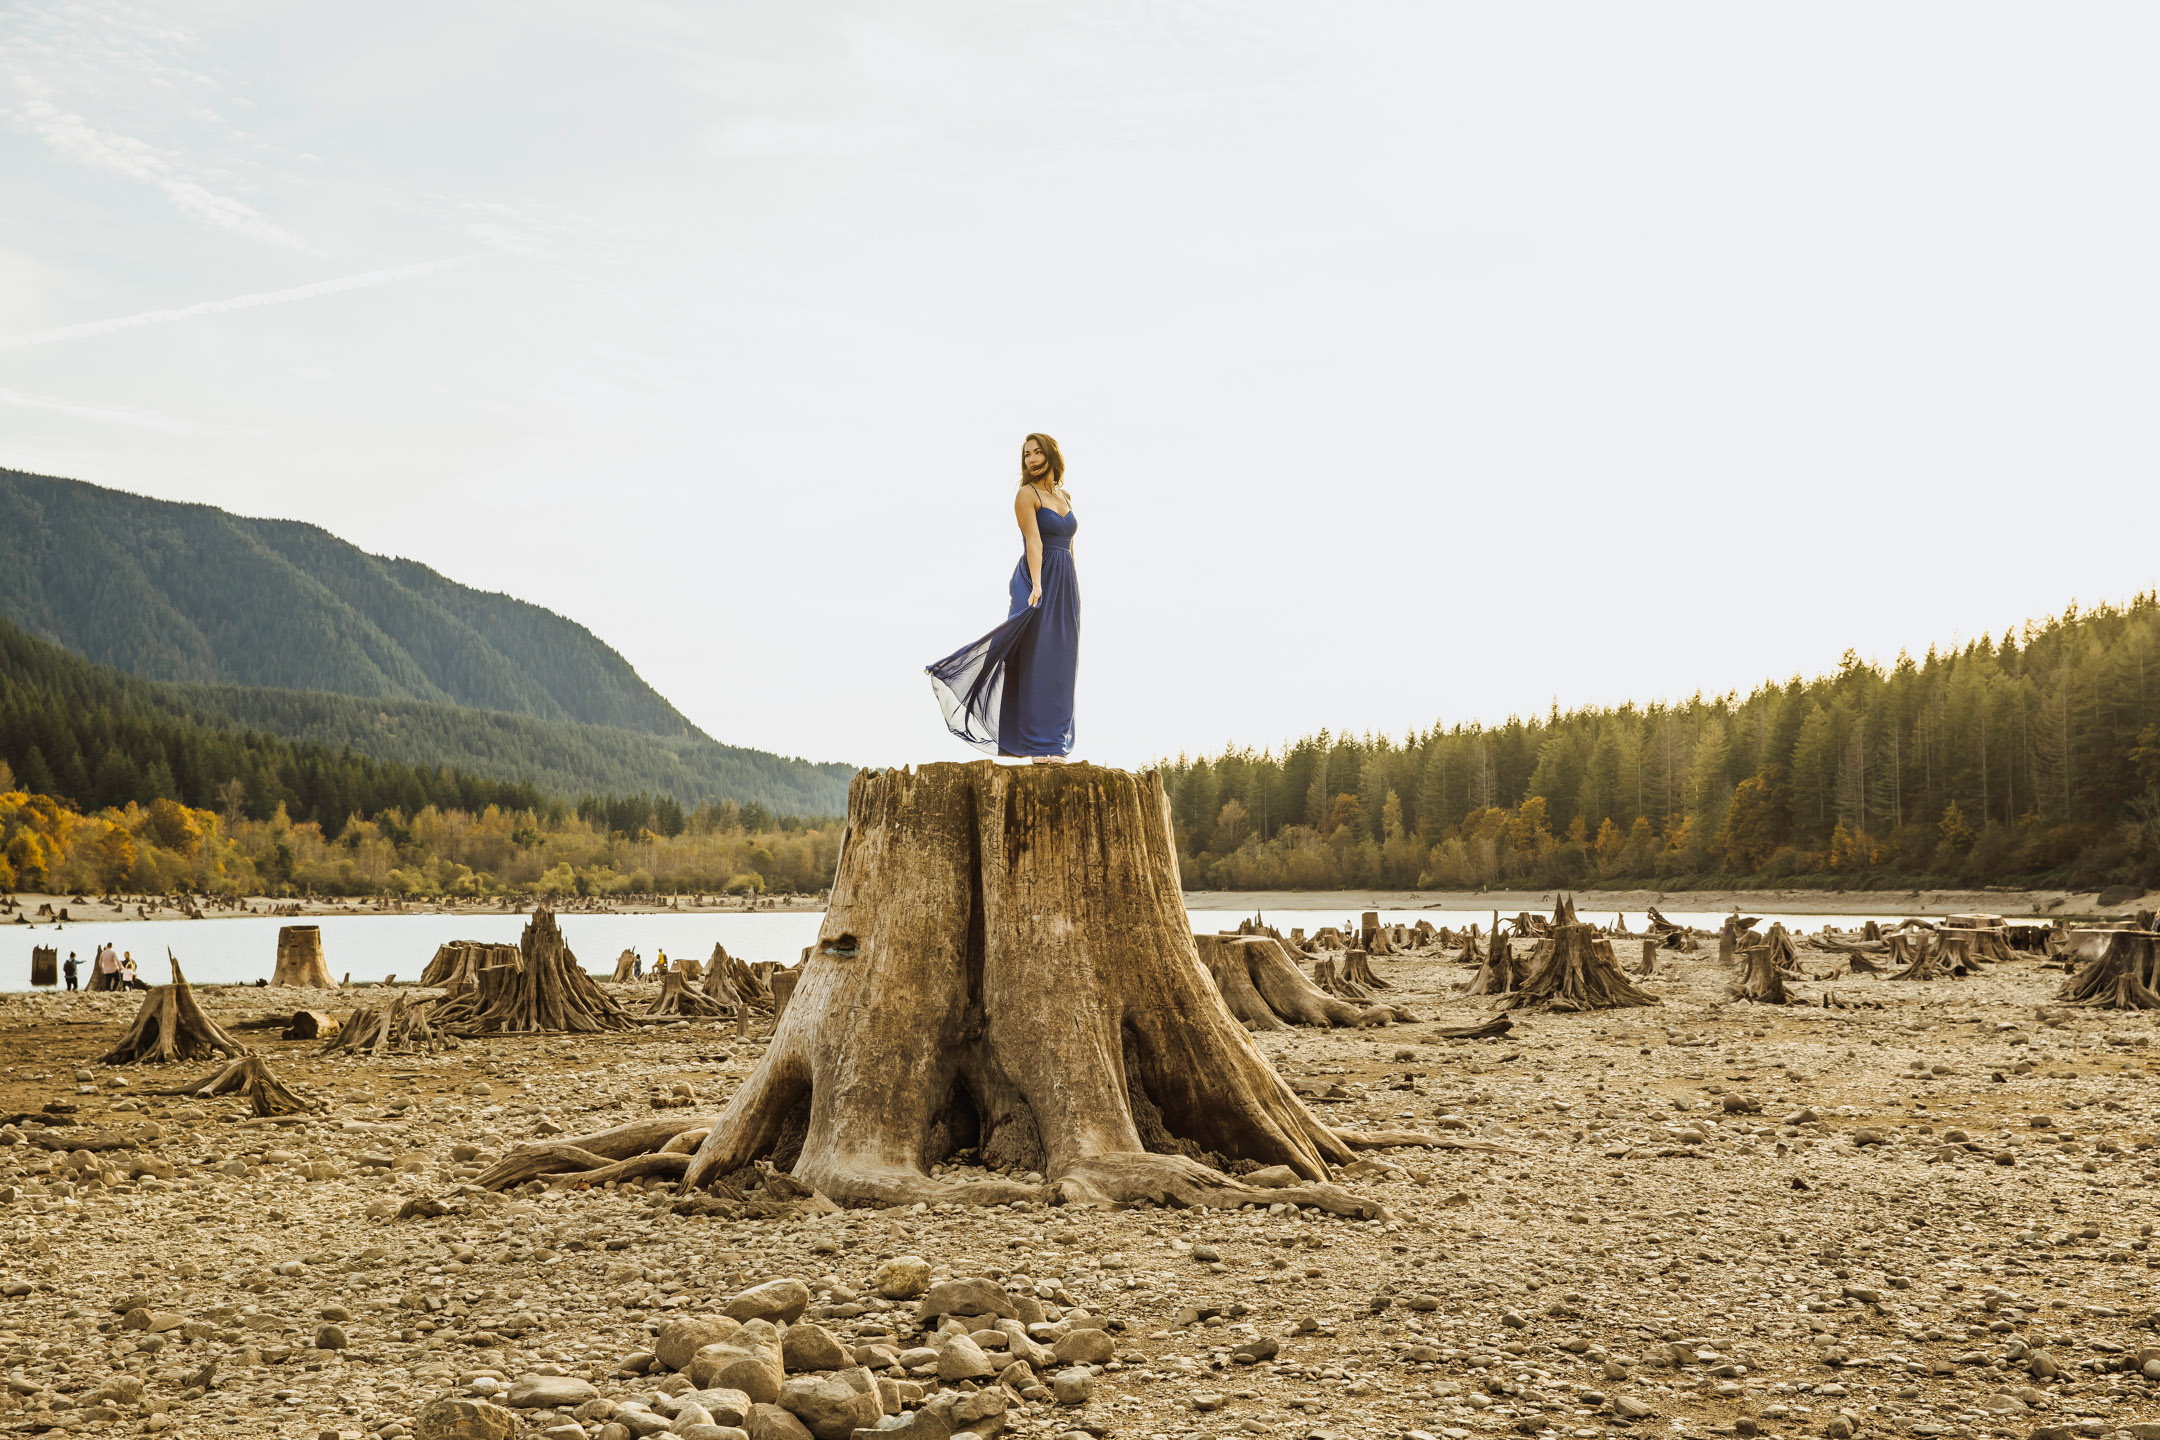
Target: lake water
pixel 242 950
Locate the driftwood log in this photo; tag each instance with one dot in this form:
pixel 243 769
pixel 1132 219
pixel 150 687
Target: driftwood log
pixel 1006 966
pixel 171 1026
pixel 300 959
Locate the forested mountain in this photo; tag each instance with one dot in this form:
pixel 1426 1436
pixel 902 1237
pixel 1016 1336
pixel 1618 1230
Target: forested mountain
pixel 2030 759
pixel 191 593
pixel 101 737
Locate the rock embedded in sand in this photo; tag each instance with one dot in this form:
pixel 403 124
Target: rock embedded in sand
pixel 904 1277
pixel 451 1418
pixel 782 1300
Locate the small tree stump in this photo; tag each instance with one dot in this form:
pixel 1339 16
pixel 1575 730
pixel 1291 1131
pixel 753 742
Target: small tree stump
pixel 406 1028
pixel 678 996
pixel 171 1026
pixel 457 964
pixel 44 965
pixel 1649 957
pixel 300 959
pixel 1497 975
pixel 1357 970
pixel 250 1076
pixel 1761 980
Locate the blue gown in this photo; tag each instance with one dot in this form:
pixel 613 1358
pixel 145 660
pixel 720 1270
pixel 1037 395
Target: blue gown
pixel 1011 692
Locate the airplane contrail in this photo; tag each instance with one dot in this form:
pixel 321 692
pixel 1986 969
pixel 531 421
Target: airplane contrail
pixel 238 302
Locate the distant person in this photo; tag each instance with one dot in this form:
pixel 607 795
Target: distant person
pixel 108 968
pixel 659 964
pixel 1011 692
pixel 128 978
pixel 637 966
pixel 70 969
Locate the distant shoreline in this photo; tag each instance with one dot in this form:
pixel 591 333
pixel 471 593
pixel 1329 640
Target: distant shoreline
pixel 263 907
pixel 2011 904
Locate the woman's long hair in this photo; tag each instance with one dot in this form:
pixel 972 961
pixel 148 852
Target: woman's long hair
pixel 1050 453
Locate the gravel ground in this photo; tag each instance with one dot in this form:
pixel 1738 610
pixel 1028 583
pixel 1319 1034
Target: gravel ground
pixel 1922 1210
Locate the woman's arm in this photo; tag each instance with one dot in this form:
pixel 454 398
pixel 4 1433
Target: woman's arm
pixel 1024 512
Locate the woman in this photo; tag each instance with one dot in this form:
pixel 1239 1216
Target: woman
pixel 1011 692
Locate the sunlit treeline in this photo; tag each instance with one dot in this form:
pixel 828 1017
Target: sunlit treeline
pixel 2029 758
pixel 164 847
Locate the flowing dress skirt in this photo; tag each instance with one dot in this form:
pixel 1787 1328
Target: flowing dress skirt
pixel 1011 692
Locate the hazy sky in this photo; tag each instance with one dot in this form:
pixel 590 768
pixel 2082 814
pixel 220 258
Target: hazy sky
pixel 1412 361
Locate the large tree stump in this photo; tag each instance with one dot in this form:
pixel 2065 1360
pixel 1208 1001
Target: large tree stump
pixel 44 965
pixel 626 967
pixel 300 959
pixel 546 993
pixel 1579 972
pixel 1006 965
pixel 172 1026
pixel 2125 977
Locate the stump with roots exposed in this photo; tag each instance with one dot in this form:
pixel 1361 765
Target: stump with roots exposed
pixel 1265 990
pixel 626 967
pixel 170 1027
pixel 751 985
pixel 458 963
pixel 2125 977
pixel 1576 970
pixel 1357 969
pixel 678 996
pixel 251 1077
pixel 300 959
pixel 546 992
pixel 1006 966
pixel 1921 956
pixel 407 1028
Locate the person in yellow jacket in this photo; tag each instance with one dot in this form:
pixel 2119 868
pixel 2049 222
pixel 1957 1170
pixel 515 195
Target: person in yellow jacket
pixel 659 966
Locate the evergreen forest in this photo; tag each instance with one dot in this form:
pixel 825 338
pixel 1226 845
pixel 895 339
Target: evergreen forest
pixel 2032 759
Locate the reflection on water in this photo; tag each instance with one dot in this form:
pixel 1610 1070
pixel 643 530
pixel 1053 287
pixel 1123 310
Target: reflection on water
pixel 242 950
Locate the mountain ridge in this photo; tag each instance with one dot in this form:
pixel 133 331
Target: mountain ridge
pixel 185 592
pixel 233 622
